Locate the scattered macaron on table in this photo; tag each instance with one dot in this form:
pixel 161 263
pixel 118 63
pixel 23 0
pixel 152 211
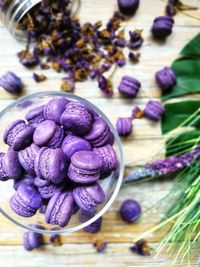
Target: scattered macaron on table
pixel 61 157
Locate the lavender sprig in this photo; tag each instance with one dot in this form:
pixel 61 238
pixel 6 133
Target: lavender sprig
pixel 163 167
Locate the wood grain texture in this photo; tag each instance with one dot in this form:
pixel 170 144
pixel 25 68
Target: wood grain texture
pixel 145 143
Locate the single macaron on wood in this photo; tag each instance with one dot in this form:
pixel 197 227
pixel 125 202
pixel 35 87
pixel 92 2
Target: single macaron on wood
pixel 48 134
pixel 51 165
pixel 60 208
pixel 76 118
pixel 85 167
pixel 54 109
pixel 108 157
pixel 72 144
pixel 88 197
pixel 35 116
pixel 26 201
pixel 27 158
pixel 18 135
pixel 99 134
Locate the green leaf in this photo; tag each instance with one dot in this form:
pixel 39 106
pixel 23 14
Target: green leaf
pixel 193 47
pixel 177 113
pixel 182 142
pixel 188 78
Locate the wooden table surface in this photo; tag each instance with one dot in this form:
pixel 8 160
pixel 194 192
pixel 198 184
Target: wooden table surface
pixel 138 148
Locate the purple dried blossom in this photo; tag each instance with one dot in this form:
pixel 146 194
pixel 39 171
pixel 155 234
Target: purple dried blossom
pixel 120 43
pixel 134 57
pixel 141 247
pixel 28 59
pixel 39 77
pixel 164 166
pixel 68 84
pixel 105 85
pixel 136 39
pixel 55 239
pixel 136 113
pixel 100 246
pixel 11 83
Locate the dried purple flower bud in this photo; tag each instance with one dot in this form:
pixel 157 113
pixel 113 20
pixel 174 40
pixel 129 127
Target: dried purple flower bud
pixel 28 59
pixel 32 240
pixel 124 126
pixel 129 86
pixel 39 77
pixel 136 39
pixel 130 210
pixel 100 245
pixel 166 79
pixel 137 113
pixel 55 239
pixel 162 26
pixel 105 85
pixel 94 227
pixel 141 247
pixel 134 57
pixel 68 85
pixel 170 10
pixel 11 83
pixel 94 73
pixel 120 43
pixel 154 110
pixel 128 7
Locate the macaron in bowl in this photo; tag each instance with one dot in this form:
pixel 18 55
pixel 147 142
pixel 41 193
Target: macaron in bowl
pixel 80 144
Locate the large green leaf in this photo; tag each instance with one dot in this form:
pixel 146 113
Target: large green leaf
pixel 182 142
pixel 177 113
pixel 187 70
pixel 188 78
pixel 193 47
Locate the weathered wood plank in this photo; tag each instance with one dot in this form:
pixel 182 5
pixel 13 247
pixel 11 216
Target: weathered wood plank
pixel 114 229
pixel 116 255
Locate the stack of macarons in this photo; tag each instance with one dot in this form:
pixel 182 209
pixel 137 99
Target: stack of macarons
pixel 56 157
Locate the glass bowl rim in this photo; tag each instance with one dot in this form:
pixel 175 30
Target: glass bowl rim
pixel 121 156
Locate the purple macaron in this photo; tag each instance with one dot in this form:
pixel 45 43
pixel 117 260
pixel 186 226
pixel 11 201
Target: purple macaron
pixel 166 79
pixel 94 227
pixel 88 197
pixel 128 7
pixel 32 240
pixel 35 116
pixel 46 188
pixel 154 110
pixel 48 134
pixel 99 134
pixel 129 86
pixel 108 157
pixel 26 201
pixel 26 179
pixel 162 26
pixel 54 109
pixel 27 158
pixel 85 167
pixel 18 135
pixel 60 208
pixel 76 118
pixel 51 165
pixel 124 126
pixel 10 165
pixel 72 144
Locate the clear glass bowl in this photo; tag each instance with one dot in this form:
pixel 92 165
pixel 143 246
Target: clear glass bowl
pixel 111 185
